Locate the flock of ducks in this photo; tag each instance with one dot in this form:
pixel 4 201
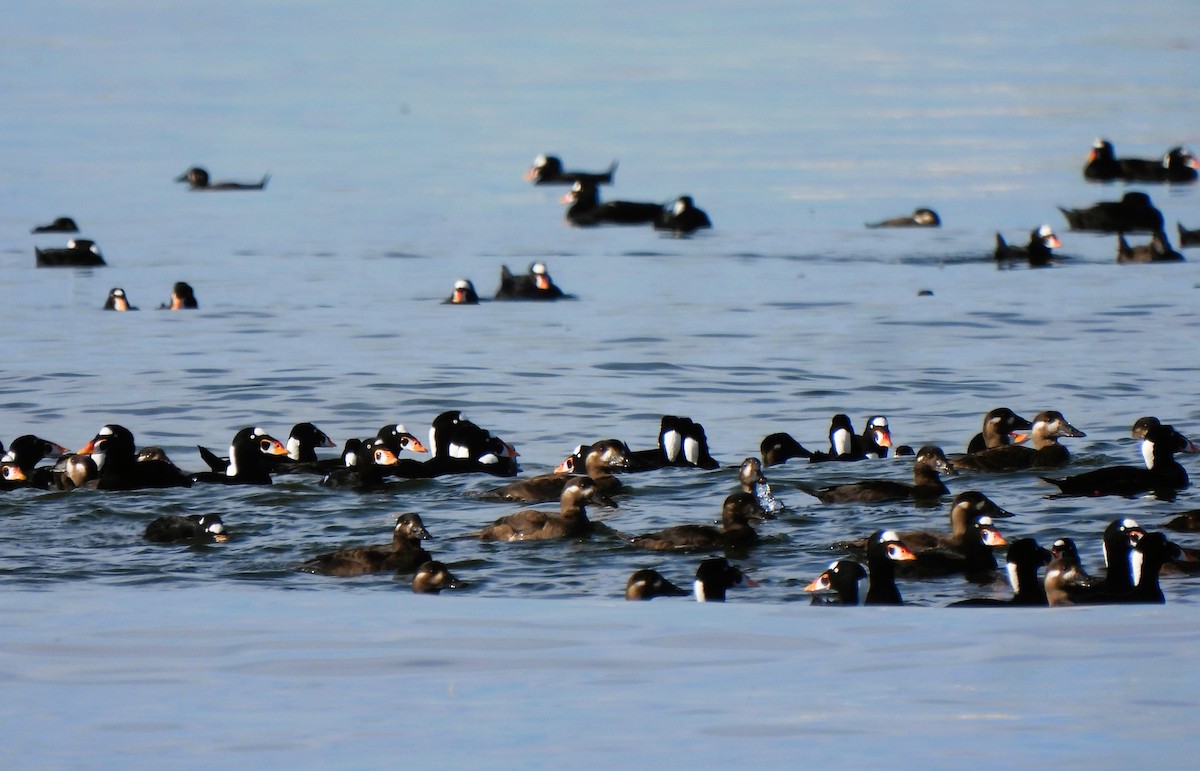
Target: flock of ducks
pixel 589 476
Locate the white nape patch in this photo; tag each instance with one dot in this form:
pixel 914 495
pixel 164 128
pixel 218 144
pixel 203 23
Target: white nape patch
pixel 351 459
pixel 432 441
pixel 1104 548
pixel 232 469
pixel 863 586
pixel 680 207
pixel 1148 453
pixel 691 450
pixel 888 535
pixel 459 451
pixel 841 441
pixel 1013 580
pixel 671 442
pixel 698 588
pixel 293 448
pixel 1135 563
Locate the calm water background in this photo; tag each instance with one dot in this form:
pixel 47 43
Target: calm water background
pixel 396 138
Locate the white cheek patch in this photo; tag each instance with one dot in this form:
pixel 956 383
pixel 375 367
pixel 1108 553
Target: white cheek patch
pixel 841 441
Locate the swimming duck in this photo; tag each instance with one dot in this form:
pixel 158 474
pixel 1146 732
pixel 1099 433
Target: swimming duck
pixel 884 550
pixel 715 577
pixel 79 253
pixel 172 528
pixel 681 442
pixel 460 446
pixel 73 471
pixel 844 443
pixel 780 447
pixel 197 179
pixel 59 225
pixel 1158 250
pixel 250 462
pixel 753 482
pixel 183 297
pixel 1000 427
pixel 1046 452
pixel 403 554
pixel 1102 165
pixel 28 450
pixel 548 170
pixel 570 522
pixel 364 466
pixel 966 509
pixel 646 584
pixel 118 300
pixel 599 459
pixel 876 437
pixel 682 217
pixel 1177 165
pixel 1025 558
pixel 1037 253
pixel 535 285
pixel 842 578
pixel 432 577
pixel 927 485
pixel 463 294
pixel 972 557
pixel 1064 573
pixel 734 533
pixel 1161 475
pixel 114 453
pixel 586 210
pixel 920 218
pixel 1134 213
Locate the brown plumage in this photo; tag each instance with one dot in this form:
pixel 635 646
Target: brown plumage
pixel 735 530
pixel 598 460
pixel 404 553
pixel 532 525
pixel 1046 452
pixel 927 484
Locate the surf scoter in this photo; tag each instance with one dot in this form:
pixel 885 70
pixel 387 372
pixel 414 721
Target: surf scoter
pixel 59 225
pixel 403 554
pixel 972 557
pixel 599 459
pixel 1161 475
pixel 682 217
pixel 586 210
pixel 27 451
pixel 118 300
pixel 681 442
pixel 548 170
pixel 114 452
pixel 966 509
pixel 1102 165
pixel 1134 213
pixel 1025 558
pixel 1158 250
pixel 646 584
pixel 197 179
pixel 11 476
pixel 735 531
pixel 842 578
pixel 534 285
pixel 532 525
pixel 183 297
pixel 927 485
pixel 250 461
pixel 459 446
pixel 364 466
pixel 172 528
pixel 884 550
pixel 844 443
pixel 79 253
pixel 1177 165
pixel 781 447
pixel 432 577
pixel 1000 427
pixel 1037 253
pixel 876 437
pixel 920 218
pixel 715 577
pixel 463 294
pixel 1046 452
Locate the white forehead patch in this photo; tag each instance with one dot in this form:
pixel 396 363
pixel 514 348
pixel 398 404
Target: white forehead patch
pixel 987 521
pixel 106 431
pixel 539 268
pixel 1128 523
pixel 462 283
pixel 889 535
pixel 1045 231
pixel 542 160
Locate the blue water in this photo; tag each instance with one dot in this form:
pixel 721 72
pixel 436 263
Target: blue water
pixel 396 137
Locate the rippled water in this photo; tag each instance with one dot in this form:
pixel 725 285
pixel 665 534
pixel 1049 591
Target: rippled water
pixel 396 139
